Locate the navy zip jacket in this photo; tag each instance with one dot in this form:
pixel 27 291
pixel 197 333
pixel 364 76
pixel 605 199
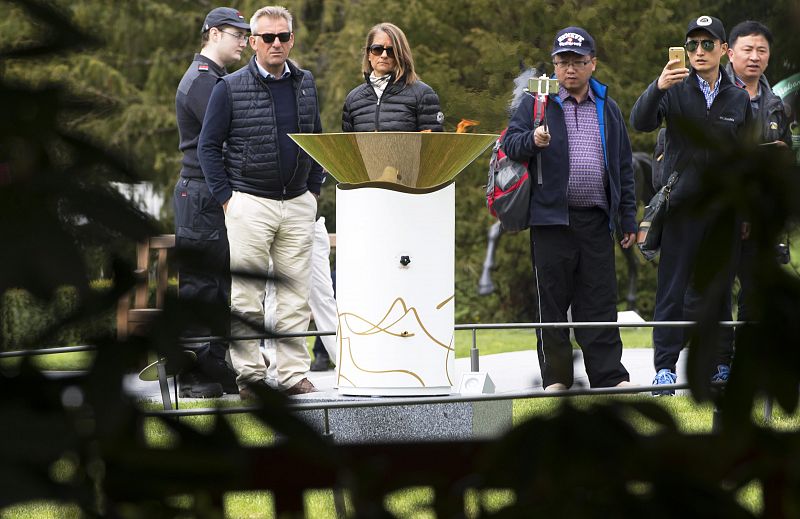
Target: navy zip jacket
pixel 241 114
pixel 549 200
pixel 191 100
pixel 728 121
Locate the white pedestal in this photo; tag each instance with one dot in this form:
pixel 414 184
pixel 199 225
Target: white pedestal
pixel 394 288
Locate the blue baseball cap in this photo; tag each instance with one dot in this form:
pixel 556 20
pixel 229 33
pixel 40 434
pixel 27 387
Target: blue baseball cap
pixel 573 39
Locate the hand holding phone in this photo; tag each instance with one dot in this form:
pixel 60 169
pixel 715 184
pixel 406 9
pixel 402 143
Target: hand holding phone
pixel 675 70
pixel 679 54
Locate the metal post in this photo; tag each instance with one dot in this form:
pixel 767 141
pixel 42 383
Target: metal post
pixel 327 434
pixel 164 385
pixel 474 360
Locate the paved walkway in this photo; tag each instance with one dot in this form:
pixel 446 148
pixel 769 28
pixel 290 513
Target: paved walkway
pixel 515 371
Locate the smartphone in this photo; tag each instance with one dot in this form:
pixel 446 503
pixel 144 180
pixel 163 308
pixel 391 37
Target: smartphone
pixel 677 53
pixel 542 85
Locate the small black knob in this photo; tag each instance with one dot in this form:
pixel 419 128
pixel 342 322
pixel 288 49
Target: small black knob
pixel 405 260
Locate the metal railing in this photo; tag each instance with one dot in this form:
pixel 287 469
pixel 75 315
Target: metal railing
pixel 405 401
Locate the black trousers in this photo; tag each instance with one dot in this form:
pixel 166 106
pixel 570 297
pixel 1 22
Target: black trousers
pixel 204 266
pixel 574 266
pixel 744 269
pixel 676 297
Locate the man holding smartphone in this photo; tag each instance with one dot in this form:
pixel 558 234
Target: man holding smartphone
pixel 586 188
pixel 708 100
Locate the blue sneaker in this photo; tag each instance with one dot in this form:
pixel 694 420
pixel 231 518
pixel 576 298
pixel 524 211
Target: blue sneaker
pixel 664 376
pixel 723 371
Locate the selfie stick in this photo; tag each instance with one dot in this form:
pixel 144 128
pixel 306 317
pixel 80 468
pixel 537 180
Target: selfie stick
pixel 543 88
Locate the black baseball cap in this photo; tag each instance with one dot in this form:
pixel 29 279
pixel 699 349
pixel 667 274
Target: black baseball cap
pixel 225 16
pixel 573 39
pixel 711 25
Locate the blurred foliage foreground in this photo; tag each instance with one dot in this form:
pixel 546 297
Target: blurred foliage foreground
pixel 80 440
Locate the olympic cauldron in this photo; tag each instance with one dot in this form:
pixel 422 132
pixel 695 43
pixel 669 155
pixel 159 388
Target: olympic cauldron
pixel 395 254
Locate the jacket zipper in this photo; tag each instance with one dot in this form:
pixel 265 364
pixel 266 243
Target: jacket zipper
pixel 378 105
pixel 297 160
pixel 377 114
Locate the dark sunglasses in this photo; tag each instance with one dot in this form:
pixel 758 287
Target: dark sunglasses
pixel 377 50
pixel 708 45
pixel 268 37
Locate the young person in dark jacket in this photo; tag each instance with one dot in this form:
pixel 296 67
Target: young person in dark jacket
pixel 392 99
pixel 586 189
pixel 706 98
pixel 268 188
pixel 748 57
pixel 200 232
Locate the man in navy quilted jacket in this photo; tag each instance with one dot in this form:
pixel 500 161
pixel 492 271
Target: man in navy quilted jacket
pixel 268 188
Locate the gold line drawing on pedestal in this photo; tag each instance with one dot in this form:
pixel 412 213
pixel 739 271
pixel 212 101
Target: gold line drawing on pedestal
pixel 382 327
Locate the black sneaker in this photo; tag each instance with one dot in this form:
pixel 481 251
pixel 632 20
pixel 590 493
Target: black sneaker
pixel 190 385
pixel 219 371
pixel 321 362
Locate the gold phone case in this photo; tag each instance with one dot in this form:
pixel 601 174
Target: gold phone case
pixel 677 53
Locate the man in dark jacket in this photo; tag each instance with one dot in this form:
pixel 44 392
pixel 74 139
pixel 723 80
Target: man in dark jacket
pixel 200 235
pixel 706 98
pixel 268 188
pixel 748 58
pixel 586 188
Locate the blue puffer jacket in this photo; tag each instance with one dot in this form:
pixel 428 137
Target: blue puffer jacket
pixel 241 115
pixel 549 200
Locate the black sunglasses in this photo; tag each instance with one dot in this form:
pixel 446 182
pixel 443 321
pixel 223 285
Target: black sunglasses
pixel 377 50
pixel 708 45
pixel 268 37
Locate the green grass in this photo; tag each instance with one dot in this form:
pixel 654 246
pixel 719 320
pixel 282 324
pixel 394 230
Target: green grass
pixel 489 342
pixel 414 502
pixel 691 418
pixel 55 362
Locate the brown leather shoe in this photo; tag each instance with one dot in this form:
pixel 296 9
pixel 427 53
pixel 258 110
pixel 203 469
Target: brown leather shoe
pixel 301 388
pixel 247 392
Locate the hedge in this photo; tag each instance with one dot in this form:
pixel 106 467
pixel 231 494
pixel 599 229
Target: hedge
pixel 23 317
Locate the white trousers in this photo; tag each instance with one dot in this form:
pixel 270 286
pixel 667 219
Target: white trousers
pixel 321 300
pixel 261 230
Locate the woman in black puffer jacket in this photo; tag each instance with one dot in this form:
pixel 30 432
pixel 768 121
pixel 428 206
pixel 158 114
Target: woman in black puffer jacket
pixel 392 99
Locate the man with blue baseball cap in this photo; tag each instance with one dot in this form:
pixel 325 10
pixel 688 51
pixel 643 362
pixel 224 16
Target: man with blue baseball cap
pixel 584 190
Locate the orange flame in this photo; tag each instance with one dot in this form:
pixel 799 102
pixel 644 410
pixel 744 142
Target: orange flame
pixel 464 124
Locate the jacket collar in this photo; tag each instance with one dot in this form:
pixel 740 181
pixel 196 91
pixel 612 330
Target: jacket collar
pixel 220 71
pixel 598 89
pixel 763 83
pixel 392 80
pixel 724 80
pixel 294 71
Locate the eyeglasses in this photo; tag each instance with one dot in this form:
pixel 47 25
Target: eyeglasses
pixel 577 65
pixel 269 37
pixel 377 50
pixel 239 36
pixel 708 45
